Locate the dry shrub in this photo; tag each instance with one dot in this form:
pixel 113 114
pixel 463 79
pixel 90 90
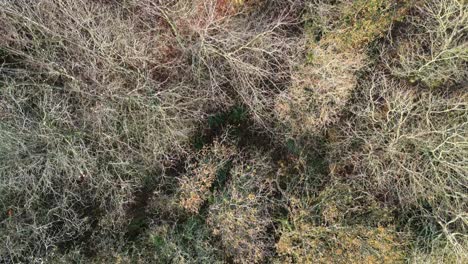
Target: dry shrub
pixel 244 57
pixel 238 52
pixel 338 204
pixel 357 23
pixel 432 48
pixel 225 191
pixel 239 214
pixel 343 204
pixel 320 90
pixel 187 242
pixel 322 85
pixel 351 244
pixel 202 172
pixel 441 252
pixel 195 190
pixel 85 121
pixel 408 147
pixel 340 225
pixel 97 97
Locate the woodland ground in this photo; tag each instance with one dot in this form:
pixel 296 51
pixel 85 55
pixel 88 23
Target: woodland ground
pixel 233 131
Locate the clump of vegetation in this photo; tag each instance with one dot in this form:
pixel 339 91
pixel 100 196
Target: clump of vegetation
pixel 337 33
pixel 203 174
pixel 88 124
pixel 339 225
pixel 320 90
pixel 227 131
pixel 189 242
pixel 407 147
pixel 433 48
pixel 354 24
pixel 239 214
pixel 96 98
pixel 354 244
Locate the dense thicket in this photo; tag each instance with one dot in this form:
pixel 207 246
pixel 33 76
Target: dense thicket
pixel 232 131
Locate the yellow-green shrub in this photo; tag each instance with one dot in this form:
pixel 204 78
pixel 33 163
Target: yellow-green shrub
pixel 323 84
pixel 202 172
pixel 351 244
pixel 239 217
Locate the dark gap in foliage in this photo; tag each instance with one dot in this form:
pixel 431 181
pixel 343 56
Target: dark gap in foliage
pixel 137 210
